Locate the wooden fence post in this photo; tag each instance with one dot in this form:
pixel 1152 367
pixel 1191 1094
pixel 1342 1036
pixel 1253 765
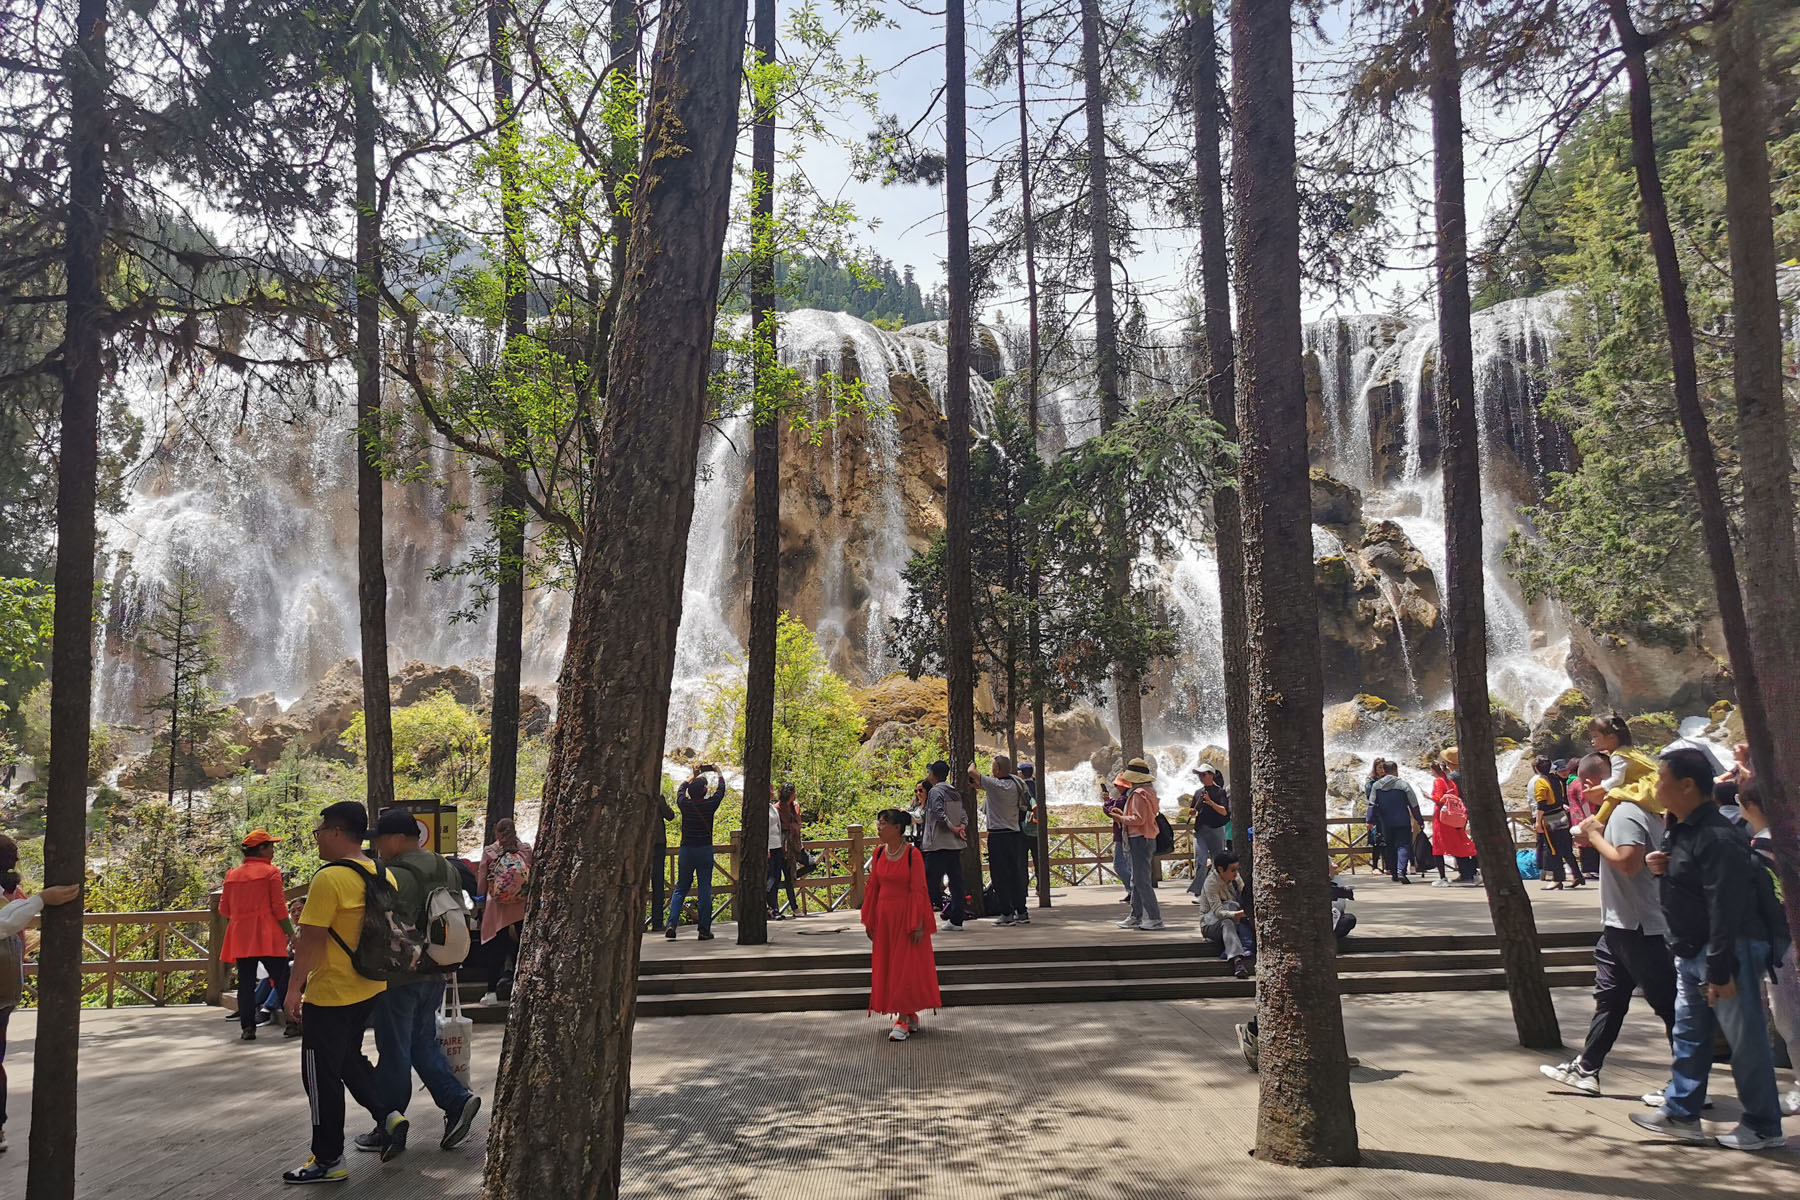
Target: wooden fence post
pixel 215 942
pixel 858 866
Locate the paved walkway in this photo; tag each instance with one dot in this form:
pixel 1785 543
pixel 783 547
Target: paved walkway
pixel 1086 915
pixel 1049 1103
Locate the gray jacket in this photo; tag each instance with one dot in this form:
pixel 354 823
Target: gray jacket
pixel 1002 799
pixel 943 808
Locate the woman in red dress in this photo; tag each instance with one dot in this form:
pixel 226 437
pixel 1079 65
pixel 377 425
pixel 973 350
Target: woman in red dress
pixel 897 916
pixel 1450 820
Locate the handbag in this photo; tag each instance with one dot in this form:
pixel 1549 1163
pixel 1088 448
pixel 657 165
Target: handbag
pixel 454 1031
pixel 806 862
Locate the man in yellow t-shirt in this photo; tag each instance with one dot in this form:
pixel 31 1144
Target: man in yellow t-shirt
pixel 332 1001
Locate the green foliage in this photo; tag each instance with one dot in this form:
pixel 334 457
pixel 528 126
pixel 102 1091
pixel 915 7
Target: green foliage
pixel 1617 539
pixel 192 719
pixel 25 612
pixel 818 727
pixel 873 289
pixel 440 750
pixel 146 863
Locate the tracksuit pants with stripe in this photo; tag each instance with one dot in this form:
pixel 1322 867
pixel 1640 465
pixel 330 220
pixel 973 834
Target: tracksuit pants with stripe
pixel 331 1063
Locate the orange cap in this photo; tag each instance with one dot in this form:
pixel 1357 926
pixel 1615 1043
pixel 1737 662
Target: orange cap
pixel 259 837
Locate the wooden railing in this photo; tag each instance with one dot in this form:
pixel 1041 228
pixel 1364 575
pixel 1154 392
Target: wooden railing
pixel 161 958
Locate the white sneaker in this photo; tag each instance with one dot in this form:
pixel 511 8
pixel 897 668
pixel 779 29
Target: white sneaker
pixel 1150 925
pixel 1128 923
pixel 490 998
pixel 947 927
pixel 1746 1138
pixel 1790 1104
pixel 1571 1075
pixel 1440 883
pixel 1664 1125
pixel 943 925
pixel 1005 920
pixel 912 1023
pixel 899 1033
pixel 1246 1045
pixel 1655 1099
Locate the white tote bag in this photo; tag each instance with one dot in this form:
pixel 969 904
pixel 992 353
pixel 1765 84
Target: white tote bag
pixel 454 1031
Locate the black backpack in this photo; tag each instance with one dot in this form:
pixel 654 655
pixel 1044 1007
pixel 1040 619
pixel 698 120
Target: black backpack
pixel 389 947
pixel 1165 835
pixel 1769 911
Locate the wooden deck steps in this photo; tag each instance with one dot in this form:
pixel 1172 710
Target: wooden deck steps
pixel 1150 967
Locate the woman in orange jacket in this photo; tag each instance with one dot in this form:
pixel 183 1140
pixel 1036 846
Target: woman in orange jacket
pixel 254 904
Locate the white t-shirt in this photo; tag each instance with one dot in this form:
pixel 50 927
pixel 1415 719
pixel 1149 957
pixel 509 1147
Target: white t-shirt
pixel 774 828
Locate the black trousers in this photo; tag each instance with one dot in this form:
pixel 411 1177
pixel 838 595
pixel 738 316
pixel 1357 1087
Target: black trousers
pixel 1624 960
pixel 502 951
pixel 331 1063
pixel 778 872
pixel 1006 859
pixel 940 864
pixel 1562 850
pixel 246 969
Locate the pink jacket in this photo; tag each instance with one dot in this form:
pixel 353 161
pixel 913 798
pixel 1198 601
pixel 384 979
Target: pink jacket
pixel 1141 807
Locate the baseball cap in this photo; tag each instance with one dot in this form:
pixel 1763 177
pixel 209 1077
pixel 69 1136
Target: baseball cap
pixel 259 837
pixel 396 821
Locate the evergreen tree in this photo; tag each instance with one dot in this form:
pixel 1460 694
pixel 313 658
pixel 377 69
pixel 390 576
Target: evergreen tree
pixel 179 633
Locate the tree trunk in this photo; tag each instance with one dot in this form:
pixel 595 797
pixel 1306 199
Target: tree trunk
pixel 959 594
pixel 765 548
pixel 175 698
pixel 1771 569
pixel 1034 580
pixel 509 527
pixel 1221 392
pixel 623 43
pixel 1127 695
pixel 371 570
pixel 50 1157
pixel 1465 603
pixel 562 1090
pixel 1304 1115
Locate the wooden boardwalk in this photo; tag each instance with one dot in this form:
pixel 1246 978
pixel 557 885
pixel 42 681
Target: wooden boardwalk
pixel 1138 1099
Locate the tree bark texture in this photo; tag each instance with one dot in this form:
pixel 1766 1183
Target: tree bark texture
pixel 1221 393
pixel 509 587
pixel 1771 568
pixel 1034 576
pixel 563 1084
pixel 371 570
pixel 1304 1114
pixel 50 1169
pixel 765 544
pixel 1534 1017
pixel 1127 693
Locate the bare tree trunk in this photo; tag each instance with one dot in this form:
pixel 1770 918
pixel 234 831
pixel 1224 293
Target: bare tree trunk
pixel 1034 582
pixel 371 569
pixel 1221 392
pixel 563 1084
pixel 1465 603
pixel 1304 1115
pixel 50 1156
pixel 1127 693
pixel 959 595
pixel 509 527
pixel 623 43
pixel 1771 569
pixel 765 549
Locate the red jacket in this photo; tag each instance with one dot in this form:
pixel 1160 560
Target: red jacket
pixel 255 903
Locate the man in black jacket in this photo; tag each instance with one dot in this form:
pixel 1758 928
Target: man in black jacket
pixel 695 858
pixel 1721 954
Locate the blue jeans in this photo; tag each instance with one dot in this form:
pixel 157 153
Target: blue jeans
pixel 1122 862
pixel 406 1038
pixel 691 861
pixel 1143 896
pixel 1741 1017
pixel 1397 839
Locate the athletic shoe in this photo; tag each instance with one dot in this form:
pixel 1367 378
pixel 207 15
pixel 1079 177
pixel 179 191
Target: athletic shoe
pixel 370 1142
pixel 899 1033
pixel 705 935
pixel 1005 920
pixel 249 1035
pixel 491 999
pixel 456 1128
pixel 1242 968
pixel 396 1128
pixel 668 933
pixel 1790 1104
pixel 1571 1074
pixel 314 1171
pixel 1664 1125
pixel 1022 918
pixel 1656 1099
pixel 1407 879
pixel 1746 1138
pixel 1128 923
pixel 1150 925
pixel 1434 883
pixel 1246 1045
pixel 291 1029
pixel 912 1023
pixel 947 927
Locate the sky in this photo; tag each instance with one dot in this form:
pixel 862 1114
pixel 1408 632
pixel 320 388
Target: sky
pixel 906 224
